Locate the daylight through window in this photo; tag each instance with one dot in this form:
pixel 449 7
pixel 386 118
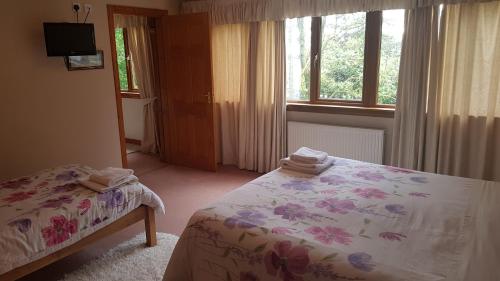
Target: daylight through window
pixel 128 83
pixel 347 59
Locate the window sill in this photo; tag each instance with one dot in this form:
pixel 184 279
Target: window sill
pixel 130 95
pixel 344 110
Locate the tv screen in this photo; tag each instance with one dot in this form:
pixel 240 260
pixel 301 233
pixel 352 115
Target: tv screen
pixel 69 39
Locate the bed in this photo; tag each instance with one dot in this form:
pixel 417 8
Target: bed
pixel 355 221
pixel 47 216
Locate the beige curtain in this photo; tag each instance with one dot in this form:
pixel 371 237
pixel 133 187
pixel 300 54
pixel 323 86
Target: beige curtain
pixel 448 111
pixel 141 51
pixel 468 108
pixel 230 45
pixel 418 50
pixel 249 79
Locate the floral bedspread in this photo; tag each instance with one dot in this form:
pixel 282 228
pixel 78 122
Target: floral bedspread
pixel 47 211
pixel 355 221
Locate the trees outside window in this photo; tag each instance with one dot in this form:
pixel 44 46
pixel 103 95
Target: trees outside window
pixel 128 83
pixel 348 59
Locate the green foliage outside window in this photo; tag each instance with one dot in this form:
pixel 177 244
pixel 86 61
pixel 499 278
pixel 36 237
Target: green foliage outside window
pixel 121 59
pixel 389 70
pixel 390 54
pixel 342 57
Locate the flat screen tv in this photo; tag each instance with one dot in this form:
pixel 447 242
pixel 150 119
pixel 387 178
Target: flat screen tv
pixel 69 39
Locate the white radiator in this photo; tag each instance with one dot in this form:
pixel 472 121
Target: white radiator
pixel 346 142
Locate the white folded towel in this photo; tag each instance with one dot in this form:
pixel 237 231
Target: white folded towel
pixel 111 176
pixel 313 169
pixel 104 188
pixel 308 155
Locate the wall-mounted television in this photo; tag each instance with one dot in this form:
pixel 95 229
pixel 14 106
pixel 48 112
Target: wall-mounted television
pixel 69 39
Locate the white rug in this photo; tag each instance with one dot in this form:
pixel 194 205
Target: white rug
pixel 131 260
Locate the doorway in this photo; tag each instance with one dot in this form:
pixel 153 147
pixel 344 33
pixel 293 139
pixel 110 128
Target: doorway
pixel 178 126
pixel 135 36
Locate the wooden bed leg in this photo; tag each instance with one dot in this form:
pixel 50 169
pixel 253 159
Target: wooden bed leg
pixel 150 224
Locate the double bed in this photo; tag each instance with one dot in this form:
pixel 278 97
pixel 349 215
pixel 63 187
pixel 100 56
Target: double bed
pixel 47 216
pixel 355 221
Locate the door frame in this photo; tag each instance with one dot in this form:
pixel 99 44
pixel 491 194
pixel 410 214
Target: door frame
pixel 159 16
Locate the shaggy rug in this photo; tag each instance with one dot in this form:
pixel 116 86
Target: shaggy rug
pixel 131 260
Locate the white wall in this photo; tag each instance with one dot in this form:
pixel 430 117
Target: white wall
pixel 48 115
pixel 351 121
pixel 133 118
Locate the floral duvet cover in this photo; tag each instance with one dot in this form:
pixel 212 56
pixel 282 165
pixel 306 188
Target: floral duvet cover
pixel 47 211
pixel 355 221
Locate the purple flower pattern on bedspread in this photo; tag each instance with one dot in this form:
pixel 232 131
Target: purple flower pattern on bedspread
pixel 245 219
pixel 301 185
pixel 334 205
pixel 49 210
pixel 370 193
pixel 370 176
pixel 291 211
pixel 334 180
pixel 396 209
pixel 67 175
pixel 23 225
pixel 361 261
pixel 287 227
pixel 66 187
pixel 112 199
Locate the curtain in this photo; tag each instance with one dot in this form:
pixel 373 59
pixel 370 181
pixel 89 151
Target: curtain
pixel 230 46
pixel 141 51
pixel 418 50
pixel 468 109
pixel 249 79
pixel 238 11
pixel 448 111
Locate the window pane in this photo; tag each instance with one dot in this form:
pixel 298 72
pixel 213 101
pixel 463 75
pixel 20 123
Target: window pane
pixel 298 55
pixel 121 59
pixel 342 56
pixel 390 53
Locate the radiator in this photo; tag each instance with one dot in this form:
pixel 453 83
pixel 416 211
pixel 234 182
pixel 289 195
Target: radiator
pixel 346 142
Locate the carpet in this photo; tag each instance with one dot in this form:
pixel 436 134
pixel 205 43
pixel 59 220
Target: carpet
pixel 130 260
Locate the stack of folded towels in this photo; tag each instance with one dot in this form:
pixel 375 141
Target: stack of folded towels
pixel 108 179
pixel 307 160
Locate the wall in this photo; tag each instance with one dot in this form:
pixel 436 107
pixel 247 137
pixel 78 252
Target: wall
pixel 350 121
pixel 49 116
pixel 133 118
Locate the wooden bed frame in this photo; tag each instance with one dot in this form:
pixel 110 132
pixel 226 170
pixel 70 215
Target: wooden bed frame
pixel 141 213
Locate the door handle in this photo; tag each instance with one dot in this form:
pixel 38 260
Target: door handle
pixel 209 97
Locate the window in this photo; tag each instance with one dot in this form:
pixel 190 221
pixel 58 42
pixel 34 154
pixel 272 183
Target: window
pixel 347 59
pixel 128 83
pixel 342 48
pixel 298 58
pixel 390 53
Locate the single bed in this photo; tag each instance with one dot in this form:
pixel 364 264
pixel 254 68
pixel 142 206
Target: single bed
pixel 47 216
pixel 355 221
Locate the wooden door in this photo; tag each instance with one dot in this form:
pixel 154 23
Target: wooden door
pixel 190 111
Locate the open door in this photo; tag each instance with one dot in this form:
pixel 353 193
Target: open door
pixel 189 117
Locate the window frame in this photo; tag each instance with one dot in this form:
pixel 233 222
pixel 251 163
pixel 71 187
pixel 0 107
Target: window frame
pixel 131 92
pixel 371 66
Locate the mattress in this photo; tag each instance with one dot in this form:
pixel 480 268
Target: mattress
pixel 355 221
pixel 49 210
